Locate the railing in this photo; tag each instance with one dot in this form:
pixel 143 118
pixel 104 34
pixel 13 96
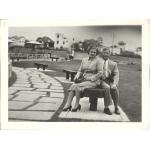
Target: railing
pixel 30 56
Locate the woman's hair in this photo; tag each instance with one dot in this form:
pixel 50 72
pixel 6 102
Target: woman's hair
pixel 95 48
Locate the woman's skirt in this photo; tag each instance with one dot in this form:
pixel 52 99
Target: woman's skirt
pixel 81 86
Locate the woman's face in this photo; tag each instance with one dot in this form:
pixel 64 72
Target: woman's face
pixel 92 53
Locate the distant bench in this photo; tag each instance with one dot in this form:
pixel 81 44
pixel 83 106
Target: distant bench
pixel 42 65
pixel 17 58
pixel 54 58
pixel 92 93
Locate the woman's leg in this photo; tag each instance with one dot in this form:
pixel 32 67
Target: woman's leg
pixel 78 93
pixel 70 98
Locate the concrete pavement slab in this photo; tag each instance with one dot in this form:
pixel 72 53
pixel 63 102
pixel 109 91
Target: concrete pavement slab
pixel 50 90
pixel 50 99
pixel 21 85
pixel 30 115
pixel 56 87
pixel 56 84
pixel 40 93
pixel 40 86
pixel 53 106
pixel 21 88
pixel 61 95
pixel 22 82
pixel 27 97
pixel 98 115
pixel 10 96
pixel 15 105
pixel 11 91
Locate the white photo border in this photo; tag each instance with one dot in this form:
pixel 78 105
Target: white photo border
pixel 144 124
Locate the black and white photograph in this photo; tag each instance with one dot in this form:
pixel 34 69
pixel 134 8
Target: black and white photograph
pixel 78 73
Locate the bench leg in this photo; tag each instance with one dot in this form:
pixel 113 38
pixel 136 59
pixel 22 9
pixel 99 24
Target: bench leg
pixel 38 66
pixel 72 77
pixel 43 67
pixel 67 75
pixel 93 103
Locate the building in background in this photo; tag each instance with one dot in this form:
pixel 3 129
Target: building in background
pixel 60 41
pixel 115 50
pixel 18 40
pixel 138 51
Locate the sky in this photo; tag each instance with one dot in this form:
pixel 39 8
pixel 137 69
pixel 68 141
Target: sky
pixel 131 35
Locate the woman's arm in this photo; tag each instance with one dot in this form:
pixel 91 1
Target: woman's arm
pixel 99 69
pixel 80 71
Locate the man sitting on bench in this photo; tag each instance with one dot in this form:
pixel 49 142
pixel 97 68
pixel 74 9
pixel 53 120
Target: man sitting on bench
pixel 110 80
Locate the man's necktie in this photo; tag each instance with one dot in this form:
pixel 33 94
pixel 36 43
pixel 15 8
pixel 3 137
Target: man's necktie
pixel 105 69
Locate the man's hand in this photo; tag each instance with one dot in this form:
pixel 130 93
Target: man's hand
pixel 103 77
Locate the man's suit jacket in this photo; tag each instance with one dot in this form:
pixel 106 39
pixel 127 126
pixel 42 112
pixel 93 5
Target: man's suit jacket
pixel 113 72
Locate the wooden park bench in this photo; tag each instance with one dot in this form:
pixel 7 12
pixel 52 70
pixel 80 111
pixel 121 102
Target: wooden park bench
pixel 16 58
pixel 92 93
pixel 70 73
pixel 54 58
pixel 42 65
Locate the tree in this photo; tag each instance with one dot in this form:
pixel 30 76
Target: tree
pixel 87 44
pixel 138 49
pixel 75 46
pixel 47 42
pixel 122 46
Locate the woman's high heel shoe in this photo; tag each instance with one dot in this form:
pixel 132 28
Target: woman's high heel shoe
pixel 75 109
pixel 67 108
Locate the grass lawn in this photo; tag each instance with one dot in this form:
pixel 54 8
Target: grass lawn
pixel 129 85
pixel 12 79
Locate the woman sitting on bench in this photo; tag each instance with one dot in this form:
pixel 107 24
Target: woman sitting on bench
pixel 90 71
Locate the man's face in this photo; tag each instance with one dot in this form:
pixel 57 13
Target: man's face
pixel 106 54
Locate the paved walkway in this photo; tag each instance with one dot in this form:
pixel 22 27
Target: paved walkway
pixel 36 97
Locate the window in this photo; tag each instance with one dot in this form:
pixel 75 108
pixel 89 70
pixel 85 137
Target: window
pixel 57 35
pixel 57 42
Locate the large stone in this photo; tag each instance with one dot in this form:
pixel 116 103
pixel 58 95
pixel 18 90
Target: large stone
pixel 22 82
pixel 14 105
pixel 56 87
pixel 40 93
pixel 50 90
pixel 10 97
pixel 44 86
pixel 21 85
pixel 21 88
pixel 10 91
pixel 56 84
pixel 53 106
pixel 27 97
pixel 61 95
pixel 50 99
pixel 30 115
